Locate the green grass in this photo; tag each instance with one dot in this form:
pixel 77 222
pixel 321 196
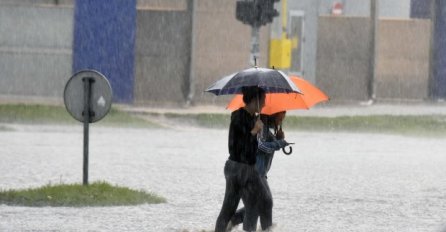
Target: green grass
pixel 413 125
pixel 48 114
pixel 116 117
pixel 77 195
pixel 202 120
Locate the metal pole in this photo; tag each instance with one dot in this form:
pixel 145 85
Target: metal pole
pixel 432 50
pixel 86 114
pixel 254 45
pixel 192 5
pixel 373 49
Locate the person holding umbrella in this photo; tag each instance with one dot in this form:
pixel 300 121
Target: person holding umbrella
pixel 268 143
pixel 276 105
pixel 242 179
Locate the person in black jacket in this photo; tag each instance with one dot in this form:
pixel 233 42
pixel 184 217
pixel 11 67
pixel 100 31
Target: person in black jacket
pixel 242 179
pixel 268 143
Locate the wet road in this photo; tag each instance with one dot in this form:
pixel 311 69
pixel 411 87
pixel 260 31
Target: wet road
pixel 332 181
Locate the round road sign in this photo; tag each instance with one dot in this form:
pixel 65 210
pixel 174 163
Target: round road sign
pixel 100 95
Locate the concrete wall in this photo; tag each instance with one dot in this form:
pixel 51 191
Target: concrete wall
pixel 402 70
pixel 163 50
pixel 162 4
pixel 37 2
pixel 36 57
pixel 312 9
pixel 222 46
pixel 402 59
pixel 162 56
pixel 343 55
pixel 35 50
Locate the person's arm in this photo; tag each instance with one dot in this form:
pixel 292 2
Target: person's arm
pixel 258 126
pixel 270 147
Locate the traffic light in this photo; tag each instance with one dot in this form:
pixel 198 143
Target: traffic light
pixel 268 11
pixel 255 12
pixel 246 11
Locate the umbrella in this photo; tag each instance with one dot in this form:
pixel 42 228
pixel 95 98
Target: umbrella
pixel 276 102
pixel 270 80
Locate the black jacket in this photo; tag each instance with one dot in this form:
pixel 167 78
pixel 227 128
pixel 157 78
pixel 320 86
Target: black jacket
pixel 242 145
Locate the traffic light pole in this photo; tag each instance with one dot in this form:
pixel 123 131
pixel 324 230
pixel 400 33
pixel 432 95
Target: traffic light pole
pixel 254 45
pixel 255 13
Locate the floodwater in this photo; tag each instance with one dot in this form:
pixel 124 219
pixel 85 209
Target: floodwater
pixel 332 181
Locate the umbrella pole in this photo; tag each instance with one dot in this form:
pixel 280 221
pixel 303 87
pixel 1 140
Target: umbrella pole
pixel 258 103
pixel 259 135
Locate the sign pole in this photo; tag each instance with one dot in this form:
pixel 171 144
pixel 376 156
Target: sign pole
pixel 88 98
pixel 86 113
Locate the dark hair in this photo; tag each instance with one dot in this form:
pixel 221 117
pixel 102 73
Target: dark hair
pixel 251 92
pixel 269 120
pixel 277 114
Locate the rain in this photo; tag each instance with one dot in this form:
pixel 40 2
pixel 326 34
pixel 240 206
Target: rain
pixel 371 158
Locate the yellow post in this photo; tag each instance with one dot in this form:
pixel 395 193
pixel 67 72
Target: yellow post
pixel 280 49
pixel 284 18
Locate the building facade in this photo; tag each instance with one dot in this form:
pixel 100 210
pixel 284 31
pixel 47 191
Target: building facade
pixel 183 46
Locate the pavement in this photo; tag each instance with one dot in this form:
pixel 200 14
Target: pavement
pixel 333 182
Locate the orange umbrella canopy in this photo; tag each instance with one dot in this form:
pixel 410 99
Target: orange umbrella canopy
pixel 276 102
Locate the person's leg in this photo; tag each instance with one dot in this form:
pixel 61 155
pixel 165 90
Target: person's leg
pixel 251 213
pixel 237 218
pixel 265 206
pixel 249 194
pixel 228 208
pixel 257 198
pixel 231 200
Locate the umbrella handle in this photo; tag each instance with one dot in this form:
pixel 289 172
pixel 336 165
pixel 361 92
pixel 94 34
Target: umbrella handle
pixel 287 152
pixel 258 103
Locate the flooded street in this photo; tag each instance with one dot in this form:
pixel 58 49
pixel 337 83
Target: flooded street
pixel 331 182
pixel 173 66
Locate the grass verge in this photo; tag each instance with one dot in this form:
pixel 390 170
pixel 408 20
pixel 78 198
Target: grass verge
pixel 48 114
pixel 77 195
pixel 412 125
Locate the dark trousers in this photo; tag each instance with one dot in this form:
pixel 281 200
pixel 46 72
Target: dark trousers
pixel 244 182
pixel 263 208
